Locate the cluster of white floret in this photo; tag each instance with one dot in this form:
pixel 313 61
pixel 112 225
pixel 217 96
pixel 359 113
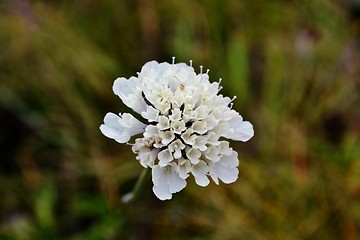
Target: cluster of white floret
pixel 185 122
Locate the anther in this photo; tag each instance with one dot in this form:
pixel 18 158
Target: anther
pixel 207 71
pixel 173 60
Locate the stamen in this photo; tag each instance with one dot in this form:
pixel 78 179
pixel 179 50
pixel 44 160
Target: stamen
pixel 207 71
pixel 201 69
pixel 220 87
pixel 190 63
pixel 173 60
pixel 231 102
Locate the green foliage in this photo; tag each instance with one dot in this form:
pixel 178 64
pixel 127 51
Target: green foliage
pixel 294 66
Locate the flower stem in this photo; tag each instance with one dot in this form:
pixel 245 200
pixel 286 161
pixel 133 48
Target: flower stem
pixel 139 185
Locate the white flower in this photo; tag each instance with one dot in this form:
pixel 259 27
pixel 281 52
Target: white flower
pixel 184 123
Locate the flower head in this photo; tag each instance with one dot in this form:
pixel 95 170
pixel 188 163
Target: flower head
pixel 184 124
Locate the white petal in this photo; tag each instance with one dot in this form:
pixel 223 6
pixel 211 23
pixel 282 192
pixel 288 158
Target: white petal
pixel 163 68
pixel 199 171
pixel 149 66
pixel 178 100
pixel 112 128
pixel 178 126
pixel 245 131
pixel 177 154
pixel 190 102
pixel 164 123
pixel 213 174
pixel 202 180
pixel 166 137
pixel 211 121
pixel 158 142
pixel 150 131
pixel 176 183
pixel 176 145
pixel 227 174
pixel 162 192
pixel 121 128
pixel 229 114
pixel 213 138
pixel 188 136
pixel 114 133
pixel 184 167
pixel 156 175
pixel 231 160
pixel 188 113
pixel 224 148
pixel 199 127
pixel 193 155
pixel 175 114
pixel 129 93
pixel 212 153
pixel 226 169
pixel 200 143
pixel 111 120
pixel 201 112
pixel 164 157
pixel 166 181
pixel 133 125
pixel 237 129
pixel 147 157
pixel 151 114
pixel 200 168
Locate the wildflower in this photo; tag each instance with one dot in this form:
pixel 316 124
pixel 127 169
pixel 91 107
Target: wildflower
pixel 184 124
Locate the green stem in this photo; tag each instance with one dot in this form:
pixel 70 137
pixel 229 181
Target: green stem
pixel 139 185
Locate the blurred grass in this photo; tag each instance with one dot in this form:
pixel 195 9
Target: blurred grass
pixel 294 65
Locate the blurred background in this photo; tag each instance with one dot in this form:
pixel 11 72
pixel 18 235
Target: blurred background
pixel 294 65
